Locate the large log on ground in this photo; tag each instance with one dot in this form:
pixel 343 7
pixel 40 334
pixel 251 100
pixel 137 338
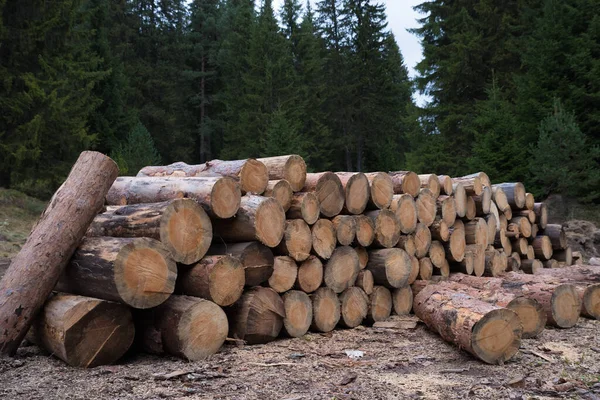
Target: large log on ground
pixel 297 240
pixel 292 168
pixel 298 313
pixel 541 214
pixel 184 326
pixel 402 299
pixel 341 269
pixel 381 190
pixel 219 279
pixel 329 191
pixel 542 247
pixel 83 331
pixel 257 317
pixel 220 196
pixel 326 310
pixel 252 174
pixel 431 182
pixel 323 238
pixel 354 305
pixel 471 184
pixel 304 205
pixel 380 304
pixel 387 231
pixel 258 218
pixel 310 275
pixel 557 236
pixel 280 190
pixel 390 267
pixel 345 229
pixel 34 272
pixel 491 333
pixel 256 258
pixel 446 209
pixel 285 273
pixel 365 230
pixel 181 225
pixel 530 312
pixel 426 207
pixel 138 272
pixel 403 205
pixel 422 240
pixel 405 182
pixel 460 199
pixel 357 191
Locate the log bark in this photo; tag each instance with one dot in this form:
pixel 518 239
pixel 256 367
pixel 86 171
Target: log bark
pixel 184 326
pixel 381 190
pixel 257 317
pixel 476 232
pixel 483 202
pixel 256 258
pixel 258 218
pixel 181 225
pixel 83 331
pixel 285 273
pixel 515 194
pixel 551 264
pixel 529 214
pixel 531 266
pixel 323 238
pixel 565 256
pixel 402 300
pixel 387 230
pixel 326 310
pixel 405 208
pixel 364 280
pixel 292 168
pixel 298 313
pixel 460 199
pixel 445 185
pixel 341 269
pixel 365 230
pixel 542 247
pixel 407 243
pixel 446 209
pixel 541 214
pixel 422 240
pixel 406 182
pixel 357 191
pixel 380 304
pixel 390 267
pixel 426 207
pixel 431 182
pixel 310 275
pixel 34 272
pixel 138 272
pixel 220 196
pixel 345 229
pixel 297 240
pixel 514 262
pixel 557 236
pixel 491 333
pixel 219 279
pixel 530 252
pixel 329 191
pixel 439 230
pixel 280 190
pixel 471 184
pixel 354 305
pixel 304 205
pixel 425 269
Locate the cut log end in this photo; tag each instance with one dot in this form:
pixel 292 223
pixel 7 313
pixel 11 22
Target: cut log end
pixel 387 232
pixel 297 240
pixel 390 267
pixel 326 310
pixel 364 280
pixel 323 238
pixel 345 229
pixel 382 189
pixel 341 269
pixel 497 336
pixel 532 315
pixel 354 307
pixel 591 301
pixel 298 313
pixel 356 188
pixel 304 205
pixel 280 190
pixel 422 238
pixel 363 256
pixel 292 168
pixel 310 275
pixel 365 230
pixel 329 191
pixel 258 316
pixel 202 330
pixel 380 304
pixel 270 222
pixel 402 300
pixel 225 197
pixel 254 177
pixel 405 208
pixel 566 306
pixel 426 207
pixel 425 269
pixel 285 273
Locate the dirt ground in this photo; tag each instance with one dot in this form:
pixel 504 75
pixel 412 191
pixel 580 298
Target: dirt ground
pixel 397 364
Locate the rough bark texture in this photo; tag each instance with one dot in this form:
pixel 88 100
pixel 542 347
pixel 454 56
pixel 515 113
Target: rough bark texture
pixel 34 272
pixel 257 317
pixel 329 191
pixel 405 208
pixel 84 332
pixel 298 313
pixel 297 240
pixel 323 238
pixel 326 310
pixel 390 267
pixel 256 258
pixel 341 269
pixel 181 225
pixel 304 205
pixel 138 272
pixel 184 326
pixel 220 196
pixel 310 275
pixel 292 168
pixel 381 190
pixel 280 190
pixel 357 191
pixel 405 182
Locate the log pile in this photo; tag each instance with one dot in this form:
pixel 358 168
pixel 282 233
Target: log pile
pixel 187 256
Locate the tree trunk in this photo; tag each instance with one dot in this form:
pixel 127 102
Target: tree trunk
pixel 403 205
pixel 483 202
pixel 387 230
pixel 431 182
pixel 298 313
pixel 258 218
pixel 529 214
pixel 357 191
pixel 437 254
pixel 500 199
pixel 329 191
pixel 364 280
pixel 405 182
pixel 390 267
pixel 529 201
pixel 491 333
pixel 181 225
pixel 363 256
pixel 341 270
pixel 184 326
pixel 84 332
pixel 323 238
pixel 326 310
pixel 34 272
pixel 280 190
pixel 292 168
pixel 492 228
pixel 439 230
pixel 520 245
pixel 345 229
pixel 219 279
pixel 297 240
pixel 257 317
pixel 138 272
pixel 381 190
pixel 426 207
pixel 256 258
pixel 493 263
pixel 354 305
pixel 460 199
pixel 565 256
pixel 455 247
pixel 523 226
pixel 380 304
pixel 220 196
pixel 285 273
pixel 402 300
pixel 310 275
pixel 365 230
pixel 304 205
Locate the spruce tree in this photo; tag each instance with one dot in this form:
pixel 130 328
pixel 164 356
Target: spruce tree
pixel 136 151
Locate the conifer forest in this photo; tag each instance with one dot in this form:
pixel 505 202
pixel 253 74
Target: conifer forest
pixel 513 88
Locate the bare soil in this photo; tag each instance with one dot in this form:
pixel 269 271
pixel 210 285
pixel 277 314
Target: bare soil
pixel 397 364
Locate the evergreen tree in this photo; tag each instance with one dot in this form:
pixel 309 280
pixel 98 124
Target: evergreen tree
pixel 136 151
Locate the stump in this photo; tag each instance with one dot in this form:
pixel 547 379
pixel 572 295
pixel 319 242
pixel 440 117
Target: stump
pixel 298 313
pixel 292 168
pixel 257 317
pixel 329 191
pixel 256 258
pixel 304 205
pixel 326 310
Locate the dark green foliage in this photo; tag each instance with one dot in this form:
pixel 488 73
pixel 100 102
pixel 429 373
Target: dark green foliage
pixel 136 152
